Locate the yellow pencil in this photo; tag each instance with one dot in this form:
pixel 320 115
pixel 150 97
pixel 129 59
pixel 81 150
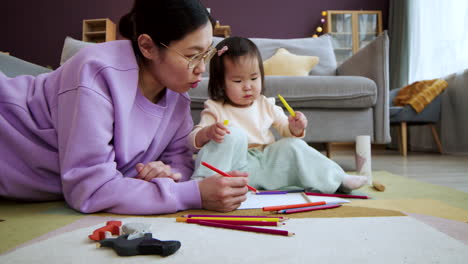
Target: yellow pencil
pixel 291 111
pixel 226 122
pixel 183 219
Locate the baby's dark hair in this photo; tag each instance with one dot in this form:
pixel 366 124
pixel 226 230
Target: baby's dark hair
pixel 237 47
pixel 163 20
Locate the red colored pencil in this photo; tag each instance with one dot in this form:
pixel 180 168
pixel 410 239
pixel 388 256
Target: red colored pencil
pixel 306 209
pixel 211 167
pixel 240 222
pixel 338 195
pixel 290 206
pixel 236 216
pixel 247 228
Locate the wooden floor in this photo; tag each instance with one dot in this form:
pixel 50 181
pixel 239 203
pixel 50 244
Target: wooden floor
pixel 446 170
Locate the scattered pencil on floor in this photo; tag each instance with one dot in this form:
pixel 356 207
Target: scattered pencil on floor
pixel 282 218
pixel 183 219
pixel 248 228
pixel 290 206
pixel 307 209
pixel 236 222
pixel 271 192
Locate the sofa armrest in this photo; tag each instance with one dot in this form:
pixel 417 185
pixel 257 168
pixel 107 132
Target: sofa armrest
pixel 372 62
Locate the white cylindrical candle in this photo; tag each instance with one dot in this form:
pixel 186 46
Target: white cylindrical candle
pixel 363 157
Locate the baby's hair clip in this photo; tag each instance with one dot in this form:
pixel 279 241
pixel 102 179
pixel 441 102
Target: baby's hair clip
pixel 222 50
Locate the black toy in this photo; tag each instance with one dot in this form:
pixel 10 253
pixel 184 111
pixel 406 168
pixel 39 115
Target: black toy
pixel 145 245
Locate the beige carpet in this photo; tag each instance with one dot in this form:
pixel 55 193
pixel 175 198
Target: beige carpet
pixel 23 222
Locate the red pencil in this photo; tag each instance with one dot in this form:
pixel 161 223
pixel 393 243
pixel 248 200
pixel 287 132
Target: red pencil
pixel 236 216
pixel 247 228
pixel 290 206
pixel 239 222
pixel 338 195
pixel 306 209
pixel 211 167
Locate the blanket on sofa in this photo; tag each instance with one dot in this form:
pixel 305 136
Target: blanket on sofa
pixel 420 94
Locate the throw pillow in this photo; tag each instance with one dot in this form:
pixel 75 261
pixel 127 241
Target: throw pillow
pixel 287 64
pixel 70 47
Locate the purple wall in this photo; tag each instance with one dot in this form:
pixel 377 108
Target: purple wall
pixel 35 30
pixel 283 19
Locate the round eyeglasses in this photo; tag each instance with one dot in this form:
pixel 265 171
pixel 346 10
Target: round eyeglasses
pixel 197 58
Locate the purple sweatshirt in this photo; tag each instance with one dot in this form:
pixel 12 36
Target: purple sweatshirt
pixel 79 131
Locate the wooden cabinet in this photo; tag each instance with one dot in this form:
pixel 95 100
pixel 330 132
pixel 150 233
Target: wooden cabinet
pixel 98 30
pixel 352 30
pixel 221 30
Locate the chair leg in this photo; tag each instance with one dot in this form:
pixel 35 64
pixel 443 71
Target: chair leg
pixel 436 138
pixel 328 149
pixel 403 142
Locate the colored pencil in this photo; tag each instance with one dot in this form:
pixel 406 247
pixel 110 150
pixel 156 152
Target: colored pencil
pixel 290 110
pixel 338 195
pixel 271 192
pixel 247 228
pixel 183 219
pixel 236 216
pixel 238 222
pixel 306 209
pixel 211 167
pixel 290 206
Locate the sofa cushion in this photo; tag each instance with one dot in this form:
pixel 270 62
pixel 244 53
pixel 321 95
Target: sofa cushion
pixel 339 92
pixel 284 63
pixel 70 47
pixel 12 66
pixel 320 47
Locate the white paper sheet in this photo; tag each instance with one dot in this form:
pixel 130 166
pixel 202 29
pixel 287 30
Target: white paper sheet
pixel 258 201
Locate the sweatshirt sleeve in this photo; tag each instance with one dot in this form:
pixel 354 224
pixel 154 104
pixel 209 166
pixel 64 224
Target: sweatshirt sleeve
pixel 90 179
pixel 208 116
pixel 177 154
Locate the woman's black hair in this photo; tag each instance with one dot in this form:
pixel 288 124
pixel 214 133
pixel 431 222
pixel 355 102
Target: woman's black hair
pixel 163 20
pixel 237 47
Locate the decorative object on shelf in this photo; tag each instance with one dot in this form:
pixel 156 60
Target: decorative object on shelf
pixel 98 30
pixel 221 30
pixel 319 30
pixel 351 30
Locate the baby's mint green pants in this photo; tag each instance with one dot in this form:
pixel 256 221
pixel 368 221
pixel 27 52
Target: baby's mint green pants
pixel 287 164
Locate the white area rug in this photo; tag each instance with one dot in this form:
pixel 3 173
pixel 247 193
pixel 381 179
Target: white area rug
pixel 322 240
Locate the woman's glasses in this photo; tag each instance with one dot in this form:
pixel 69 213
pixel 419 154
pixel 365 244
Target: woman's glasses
pixel 197 58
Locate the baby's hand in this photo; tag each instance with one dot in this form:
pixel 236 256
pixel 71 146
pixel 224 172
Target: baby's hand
pixel 217 132
pixel 297 123
pixel 155 169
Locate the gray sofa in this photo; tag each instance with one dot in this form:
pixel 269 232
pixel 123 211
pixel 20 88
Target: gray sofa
pixel 339 102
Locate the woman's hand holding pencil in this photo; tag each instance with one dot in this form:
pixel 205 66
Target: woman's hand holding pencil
pixel 213 168
pixel 221 194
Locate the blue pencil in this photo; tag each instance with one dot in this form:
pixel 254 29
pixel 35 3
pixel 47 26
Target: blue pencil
pixel 271 192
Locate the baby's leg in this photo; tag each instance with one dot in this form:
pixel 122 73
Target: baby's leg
pixel 291 162
pixel 229 155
